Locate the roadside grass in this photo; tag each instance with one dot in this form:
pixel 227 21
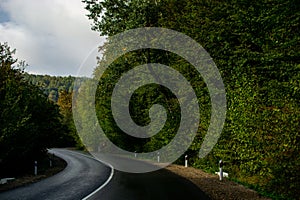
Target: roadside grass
pixel 44 171
pixel 261 191
pixel 254 183
pixel 213 187
pixel 246 183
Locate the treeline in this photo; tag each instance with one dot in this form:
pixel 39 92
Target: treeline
pixel 29 122
pixel 255 45
pixel 59 91
pixel 52 85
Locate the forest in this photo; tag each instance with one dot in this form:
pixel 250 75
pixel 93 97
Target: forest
pixel 255 45
pixel 36 114
pixel 52 85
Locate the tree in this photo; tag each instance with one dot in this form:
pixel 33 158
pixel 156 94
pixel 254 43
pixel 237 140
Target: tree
pixel 259 66
pixel 29 123
pixel 255 45
pixel 65 106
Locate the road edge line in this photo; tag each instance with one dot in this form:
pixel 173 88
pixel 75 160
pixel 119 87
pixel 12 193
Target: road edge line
pixel 105 183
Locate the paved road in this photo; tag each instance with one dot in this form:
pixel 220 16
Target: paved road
pixel 82 176
pixel 157 185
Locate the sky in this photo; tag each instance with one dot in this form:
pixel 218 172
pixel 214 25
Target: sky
pixel 53 37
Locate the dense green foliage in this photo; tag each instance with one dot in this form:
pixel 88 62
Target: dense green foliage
pixel 51 85
pixel 60 91
pixel 255 45
pixel 65 107
pixel 29 122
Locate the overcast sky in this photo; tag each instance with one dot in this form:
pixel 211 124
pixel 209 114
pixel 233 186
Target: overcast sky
pixel 53 36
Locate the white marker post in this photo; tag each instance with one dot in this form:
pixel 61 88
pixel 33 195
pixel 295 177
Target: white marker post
pixel 221 170
pixel 158 157
pixel 35 168
pixel 51 158
pixel 185 161
pixel 135 154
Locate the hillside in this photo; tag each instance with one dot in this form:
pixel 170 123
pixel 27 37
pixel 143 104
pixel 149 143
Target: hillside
pixel 52 85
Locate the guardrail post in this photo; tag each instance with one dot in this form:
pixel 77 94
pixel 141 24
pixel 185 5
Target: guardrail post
pixel 35 168
pixel 221 170
pixel 185 161
pixel 51 159
pixel 158 157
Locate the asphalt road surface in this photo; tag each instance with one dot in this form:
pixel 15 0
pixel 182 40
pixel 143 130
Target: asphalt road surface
pixel 84 175
pixel 158 185
pixel 81 177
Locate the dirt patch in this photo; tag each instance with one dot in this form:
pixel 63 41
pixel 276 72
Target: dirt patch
pixel 58 165
pixel 214 188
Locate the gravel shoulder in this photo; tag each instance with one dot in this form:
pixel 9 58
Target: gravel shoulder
pixel 215 189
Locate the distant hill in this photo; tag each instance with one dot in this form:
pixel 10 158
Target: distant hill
pixel 52 85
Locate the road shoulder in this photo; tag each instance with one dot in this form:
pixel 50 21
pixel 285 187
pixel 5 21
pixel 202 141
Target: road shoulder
pixel 214 188
pixel 58 165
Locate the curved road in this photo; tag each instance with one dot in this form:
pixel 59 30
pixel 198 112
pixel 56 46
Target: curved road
pixel 158 185
pixel 84 175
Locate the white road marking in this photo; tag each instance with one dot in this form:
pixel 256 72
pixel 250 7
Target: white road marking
pixel 106 182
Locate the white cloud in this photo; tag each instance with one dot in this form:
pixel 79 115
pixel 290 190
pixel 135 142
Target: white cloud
pixel 52 36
